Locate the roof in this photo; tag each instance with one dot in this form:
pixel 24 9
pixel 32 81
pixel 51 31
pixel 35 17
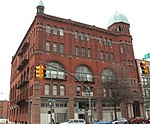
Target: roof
pixel 41 3
pixel 117 17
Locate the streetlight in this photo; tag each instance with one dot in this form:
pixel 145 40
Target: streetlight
pixel 87 89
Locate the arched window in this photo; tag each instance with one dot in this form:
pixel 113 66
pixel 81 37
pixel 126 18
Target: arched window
pixel 76 35
pixel 55 30
pixel 108 76
pixel 52 72
pixel 83 73
pixel 48 29
pixel 82 36
pixel 88 37
pixel 61 32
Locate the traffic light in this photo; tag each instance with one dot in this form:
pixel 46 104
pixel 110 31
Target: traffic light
pixel 43 71
pixel 144 67
pixel 37 71
pixel 40 71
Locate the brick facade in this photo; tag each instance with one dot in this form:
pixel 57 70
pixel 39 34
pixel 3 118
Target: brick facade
pixel 29 101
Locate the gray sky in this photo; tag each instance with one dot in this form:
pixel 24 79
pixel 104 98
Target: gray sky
pixel 17 16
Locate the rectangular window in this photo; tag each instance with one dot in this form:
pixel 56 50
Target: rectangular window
pixel 82 36
pixel 47 89
pixel 112 57
pixel 54 47
pixel 47 46
pixel 62 90
pixel 107 56
pixel 102 55
pixel 77 51
pixel 89 52
pixel 83 51
pixel 61 48
pixel 101 40
pixel 78 91
pixel 55 90
pixel 105 93
pixel 121 47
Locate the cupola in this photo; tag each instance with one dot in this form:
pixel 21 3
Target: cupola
pixel 118 23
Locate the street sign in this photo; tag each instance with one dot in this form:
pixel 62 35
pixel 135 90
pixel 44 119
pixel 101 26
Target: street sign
pixel 147 56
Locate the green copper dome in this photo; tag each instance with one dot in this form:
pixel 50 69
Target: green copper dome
pixel 41 3
pixel 117 17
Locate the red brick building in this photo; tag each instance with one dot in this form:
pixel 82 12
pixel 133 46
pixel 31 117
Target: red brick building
pixel 4 104
pixel 95 56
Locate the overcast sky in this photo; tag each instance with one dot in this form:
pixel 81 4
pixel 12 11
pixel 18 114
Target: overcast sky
pixel 17 16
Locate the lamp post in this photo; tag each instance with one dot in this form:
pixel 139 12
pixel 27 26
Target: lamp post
pixel 87 89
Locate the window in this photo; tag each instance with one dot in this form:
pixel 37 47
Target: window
pixel 101 40
pixel 88 37
pixel 107 56
pixel 127 48
pixel 121 47
pixel 82 36
pixel 47 89
pixel 54 72
pixel 61 32
pixel 83 51
pixel 110 92
pixel 102 55
pixel 54 47
pixel 48 29
pixel 78 91
pixel 89 52
pixel 55 30
pixel 105 41
pixel 112 57
pixel 83 73
pixel 61 48
pixel 76 35
pixel 108 76
pixel 110 42
pixel 55 89
pixel 77 50
pixel 62 90
pixel 105 92
pixel 47 46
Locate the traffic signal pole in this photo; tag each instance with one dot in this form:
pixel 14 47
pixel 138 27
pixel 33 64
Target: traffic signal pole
pixel 87 89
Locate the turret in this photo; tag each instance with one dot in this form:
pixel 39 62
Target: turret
pixel 40 8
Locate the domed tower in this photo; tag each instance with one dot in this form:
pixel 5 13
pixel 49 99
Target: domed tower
pixel 118 23
pixel 40 8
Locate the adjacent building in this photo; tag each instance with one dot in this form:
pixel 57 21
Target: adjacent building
pixel 145 83
pixel 4 104
pixel 102 59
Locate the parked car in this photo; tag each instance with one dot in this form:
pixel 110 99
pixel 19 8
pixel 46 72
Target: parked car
pixel 120 121
pixel 74 121
pixel 147 120
pixel 101 122
pixel 139 120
